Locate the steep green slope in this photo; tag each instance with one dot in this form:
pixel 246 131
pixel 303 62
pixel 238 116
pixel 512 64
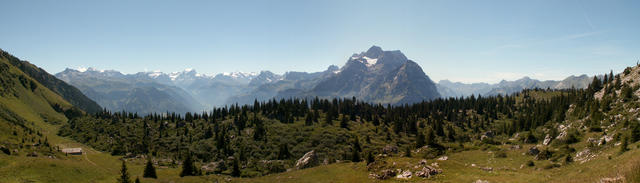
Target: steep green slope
pixel 68 92
pixel 30 114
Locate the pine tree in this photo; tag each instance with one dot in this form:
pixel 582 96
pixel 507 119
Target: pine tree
pixel 236 169
pixel 188 168
pixel 329 118
pixel 259 131
pixel 309 119
pixel 284 152
pixel 356 144
pixel 316 115
pixel 208 133
pixel 420 141
pixel 124 174
pixel 355 156
pixel 407 152
pixel 376 121
pixel 149 170
pixel 568 159
pixel 370 158
pixel 430 138
pixel 623 146
pixel 627 92
pixel 596 85
pixel 344 123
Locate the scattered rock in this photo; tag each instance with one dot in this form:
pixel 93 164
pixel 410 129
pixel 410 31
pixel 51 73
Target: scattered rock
pixel 129 155
pixel 211 167
pixel 533 151
pixel 435 164
pixel 516 147
pixel 563 131
pixel 443 158
pixel 423 162
pixel 32 154
pixel 584 156
pixel 605 139
pixel 428 171
pixel 384 174
pixel 612 180
pixel 547 140
pixel 488 134
pixel 515 137
pixel 481 181
pixel 405 175
pixel 310 159
pixel 423 148
pixel 488 169
pixel 390 149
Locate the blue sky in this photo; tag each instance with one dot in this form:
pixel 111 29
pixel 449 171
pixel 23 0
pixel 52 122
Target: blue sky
pixel 468 41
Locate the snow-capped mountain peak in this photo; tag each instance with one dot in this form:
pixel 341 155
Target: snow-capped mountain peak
pixel 369 62
pixel 240 75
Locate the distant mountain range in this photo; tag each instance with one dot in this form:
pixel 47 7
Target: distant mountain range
pixel 376 76
pixel 456 89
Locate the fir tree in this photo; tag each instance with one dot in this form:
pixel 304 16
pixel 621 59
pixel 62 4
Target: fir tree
pixel 309 119
pixel 355 156
pixel 188 169
pixel 623 146
pixel 407 152
pixel 420 140
pixel 124 174
pixel 344 123
pixel 329 118
pixel 149 170
pixel 284 152
pixel 370 158
pixel 596 85
pixel 356 145
pixel 430 138
pixel 236 169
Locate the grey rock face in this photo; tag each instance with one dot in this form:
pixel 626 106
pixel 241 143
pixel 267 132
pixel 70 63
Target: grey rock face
pixel 310 159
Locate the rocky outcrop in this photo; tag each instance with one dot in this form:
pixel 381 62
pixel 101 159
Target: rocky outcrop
pixel 310 159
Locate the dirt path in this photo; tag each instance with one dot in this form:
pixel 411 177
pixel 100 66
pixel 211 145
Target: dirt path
pixel 88 160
